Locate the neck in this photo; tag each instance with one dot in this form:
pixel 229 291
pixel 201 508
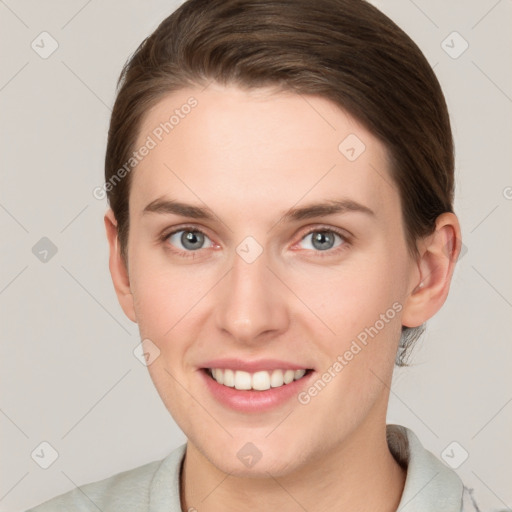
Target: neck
pixel 359 475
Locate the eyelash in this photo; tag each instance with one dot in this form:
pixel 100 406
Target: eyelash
pixel 321 254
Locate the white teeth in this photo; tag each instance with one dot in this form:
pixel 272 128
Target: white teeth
pixel 299 374
pixel 242 380
pixel 229 378
pixel 260 381
pixel 288 376
pixel 218 376
pixel 276 378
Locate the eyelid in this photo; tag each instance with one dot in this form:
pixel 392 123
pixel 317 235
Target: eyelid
pixel 346 235
pixel 187 227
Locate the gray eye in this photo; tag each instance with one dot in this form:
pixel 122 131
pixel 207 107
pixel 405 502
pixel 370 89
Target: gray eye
pixel 190 240
pixel 323 240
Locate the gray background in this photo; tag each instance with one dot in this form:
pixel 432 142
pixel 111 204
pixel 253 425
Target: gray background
pixel 69 376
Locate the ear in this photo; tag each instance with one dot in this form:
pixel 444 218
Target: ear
pixel 117 267
pixel 435 265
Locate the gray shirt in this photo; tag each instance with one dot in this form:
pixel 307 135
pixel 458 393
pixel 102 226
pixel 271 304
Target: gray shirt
pixel 430 485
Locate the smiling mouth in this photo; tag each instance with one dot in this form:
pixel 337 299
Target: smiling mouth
pixel 257 381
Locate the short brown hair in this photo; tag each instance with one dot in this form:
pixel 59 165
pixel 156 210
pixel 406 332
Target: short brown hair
pixel 346 51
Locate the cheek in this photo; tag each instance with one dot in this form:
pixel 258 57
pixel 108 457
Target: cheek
pixel 362 305
pixel 160 295
pixel 352 297
pixel 364 312
pixel 163 300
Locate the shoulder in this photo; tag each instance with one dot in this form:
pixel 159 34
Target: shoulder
pixel 127 490
pixel 430 484
pixel 130 486
pixel 468 502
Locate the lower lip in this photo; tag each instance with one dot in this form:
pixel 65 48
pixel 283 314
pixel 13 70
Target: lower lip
pixel 254 401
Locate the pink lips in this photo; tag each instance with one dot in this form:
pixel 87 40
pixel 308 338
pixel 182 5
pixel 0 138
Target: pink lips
pixel 252 401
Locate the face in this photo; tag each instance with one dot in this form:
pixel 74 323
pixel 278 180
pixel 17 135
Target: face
pixel 252 277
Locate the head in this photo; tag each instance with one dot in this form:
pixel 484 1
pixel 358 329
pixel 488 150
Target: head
pixel 249 113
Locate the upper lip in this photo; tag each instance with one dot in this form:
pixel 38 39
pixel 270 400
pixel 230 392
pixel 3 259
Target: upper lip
pixel 253 366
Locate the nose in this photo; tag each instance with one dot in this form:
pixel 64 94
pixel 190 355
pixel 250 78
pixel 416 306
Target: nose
pixel 251 303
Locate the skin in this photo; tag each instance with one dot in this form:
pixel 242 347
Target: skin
pixel 250 156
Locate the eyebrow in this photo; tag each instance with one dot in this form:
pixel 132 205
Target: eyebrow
pixel 328 207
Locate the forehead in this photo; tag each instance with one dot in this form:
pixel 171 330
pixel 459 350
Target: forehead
pixel 243 148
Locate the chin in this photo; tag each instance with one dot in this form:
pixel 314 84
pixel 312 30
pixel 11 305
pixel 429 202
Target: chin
pixel 258 459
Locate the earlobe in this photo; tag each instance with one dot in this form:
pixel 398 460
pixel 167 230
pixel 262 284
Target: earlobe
pixel 436 264
pixel 117 266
